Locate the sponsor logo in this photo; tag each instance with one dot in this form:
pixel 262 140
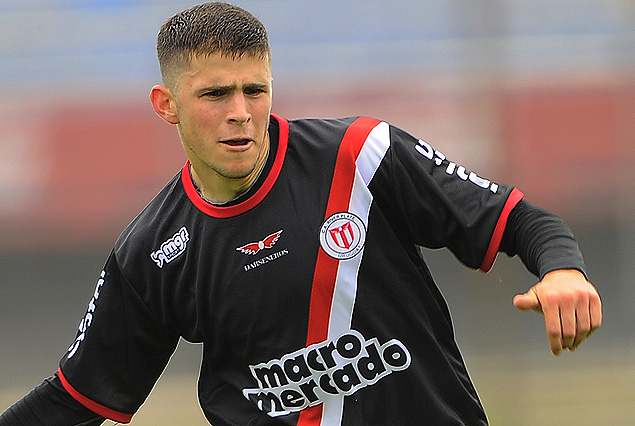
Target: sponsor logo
pixel 336 367
pixel 88 319
pixel 267 243
pixel 265 260
pixel 342 235
pixel 427 151
pixel 172 248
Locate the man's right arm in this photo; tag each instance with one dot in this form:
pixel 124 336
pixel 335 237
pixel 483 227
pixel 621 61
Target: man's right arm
pixel 49 404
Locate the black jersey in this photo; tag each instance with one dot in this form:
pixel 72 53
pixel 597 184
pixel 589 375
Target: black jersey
pixel 308 293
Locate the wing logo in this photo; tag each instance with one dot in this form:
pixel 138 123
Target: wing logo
pixel 267 243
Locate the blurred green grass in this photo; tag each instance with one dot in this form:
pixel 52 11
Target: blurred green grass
pixel 562 393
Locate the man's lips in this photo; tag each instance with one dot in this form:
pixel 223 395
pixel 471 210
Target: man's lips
pixel 236 142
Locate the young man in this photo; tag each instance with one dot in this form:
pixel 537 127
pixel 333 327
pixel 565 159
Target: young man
pixel 289 249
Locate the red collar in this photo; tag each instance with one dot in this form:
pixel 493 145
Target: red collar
pixel 236 209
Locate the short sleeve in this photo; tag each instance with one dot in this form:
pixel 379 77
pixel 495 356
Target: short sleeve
pixel 440 203
pixel 119 352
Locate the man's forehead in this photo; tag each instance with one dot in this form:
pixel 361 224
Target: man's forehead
pixel 220 62
pixel 228 74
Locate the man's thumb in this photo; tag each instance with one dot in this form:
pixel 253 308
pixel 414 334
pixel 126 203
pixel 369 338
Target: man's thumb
pixel 527 301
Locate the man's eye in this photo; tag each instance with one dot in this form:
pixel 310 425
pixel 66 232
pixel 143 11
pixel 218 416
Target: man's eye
pixel 253 91
pixel 214 93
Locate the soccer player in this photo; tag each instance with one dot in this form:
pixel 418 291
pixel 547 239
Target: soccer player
pixel 289 248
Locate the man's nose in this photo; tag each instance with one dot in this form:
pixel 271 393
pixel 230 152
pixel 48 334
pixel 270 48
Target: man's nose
pixel 239 112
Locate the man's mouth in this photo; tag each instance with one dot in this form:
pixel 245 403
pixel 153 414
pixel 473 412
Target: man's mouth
pixel 236 142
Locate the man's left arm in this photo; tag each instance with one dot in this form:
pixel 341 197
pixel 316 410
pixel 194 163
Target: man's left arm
pixel 569 302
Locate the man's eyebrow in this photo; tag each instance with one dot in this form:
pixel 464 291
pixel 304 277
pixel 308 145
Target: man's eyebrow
pixel 230 87
pixel 256 85
pixel 219 87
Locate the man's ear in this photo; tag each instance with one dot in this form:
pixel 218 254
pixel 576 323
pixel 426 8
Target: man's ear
pixel 163 104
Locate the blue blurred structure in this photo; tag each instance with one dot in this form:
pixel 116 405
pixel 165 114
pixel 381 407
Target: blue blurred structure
pixel 58 45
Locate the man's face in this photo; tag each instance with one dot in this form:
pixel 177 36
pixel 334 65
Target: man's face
pixel 223 108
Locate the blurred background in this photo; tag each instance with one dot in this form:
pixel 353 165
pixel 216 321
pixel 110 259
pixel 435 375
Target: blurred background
pixel 537 93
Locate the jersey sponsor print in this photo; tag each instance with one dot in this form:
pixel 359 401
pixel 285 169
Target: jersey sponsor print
pixel 88 318
pixel 172 248
pixel 312 375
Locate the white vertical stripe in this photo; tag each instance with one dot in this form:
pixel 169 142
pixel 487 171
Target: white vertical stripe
pixel 345 292
pixel 373 151
pixel 368 161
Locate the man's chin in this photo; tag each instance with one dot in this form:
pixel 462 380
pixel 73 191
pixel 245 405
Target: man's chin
pixel 238 174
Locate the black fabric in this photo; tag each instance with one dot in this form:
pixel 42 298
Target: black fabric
pixel 135 346
pixel 542 240
pixel 49 404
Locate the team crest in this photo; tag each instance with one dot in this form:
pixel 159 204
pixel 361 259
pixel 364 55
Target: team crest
pixel 343 235
pixel 267 243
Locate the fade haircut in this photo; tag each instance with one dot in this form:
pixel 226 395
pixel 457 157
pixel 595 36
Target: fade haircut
pixel 207 29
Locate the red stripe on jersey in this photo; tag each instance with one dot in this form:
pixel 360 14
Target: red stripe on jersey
pixel 339 200
pixel 310 416
pixel 235 210
pixel 326 267
pixel 92 405
pixel 488 261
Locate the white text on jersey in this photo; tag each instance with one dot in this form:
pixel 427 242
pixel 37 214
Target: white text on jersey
pixel 336 367
pixel 172 248
pixel 427 151
pixel 88 319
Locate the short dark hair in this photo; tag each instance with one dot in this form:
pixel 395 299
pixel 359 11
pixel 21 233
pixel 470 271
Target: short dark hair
pixel 206 29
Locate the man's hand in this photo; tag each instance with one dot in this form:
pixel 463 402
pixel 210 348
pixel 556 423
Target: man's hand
pixel 570 304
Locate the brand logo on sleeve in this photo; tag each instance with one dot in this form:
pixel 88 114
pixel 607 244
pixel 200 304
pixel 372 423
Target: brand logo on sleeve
pixel 452 168
pixel 88 318
pixel 172 248
pixel 267 243
pixel 342 235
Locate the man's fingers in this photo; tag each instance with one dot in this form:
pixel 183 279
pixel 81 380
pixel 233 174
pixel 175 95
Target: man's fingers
pixel 579 316
pixel 583 322
pixel 575 318
pixel 553 325
pixel 589 319
pixel 595 311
